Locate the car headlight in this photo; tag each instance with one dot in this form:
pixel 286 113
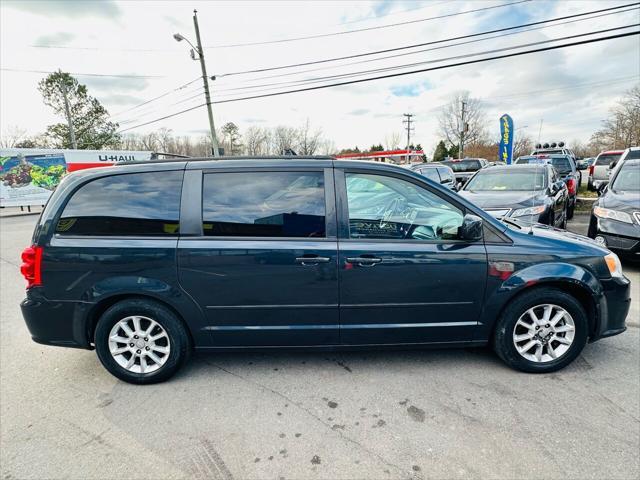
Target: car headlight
pixel 521 212
pixel 601 212
pixel 615 267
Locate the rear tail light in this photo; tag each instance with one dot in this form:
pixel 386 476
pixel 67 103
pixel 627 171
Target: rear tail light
pixel 31 268
pixel 571 185
pixel 591 167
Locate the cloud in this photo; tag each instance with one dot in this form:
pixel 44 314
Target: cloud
pixel 411 90
pixel 359 111
pixel 68 8
pixel 59 38
pixel 120 99
pixel 253 120
pixel 112 83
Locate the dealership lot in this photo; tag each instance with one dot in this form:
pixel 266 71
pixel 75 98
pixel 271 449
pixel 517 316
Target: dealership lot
pixel 420 414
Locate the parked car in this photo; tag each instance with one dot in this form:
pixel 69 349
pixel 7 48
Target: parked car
pixel 585 163
pixel 631 153
pixel 465 168
pixel 531 193
pixel 437 172
pixel 599 170
pixel 615 216
pixel 147 261
pixel 566 168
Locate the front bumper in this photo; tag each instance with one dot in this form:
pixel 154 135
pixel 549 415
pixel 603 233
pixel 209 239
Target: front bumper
pixel 623 238
pixel 55 323
pixel 613 308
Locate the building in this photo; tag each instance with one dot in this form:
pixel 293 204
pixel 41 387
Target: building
pixel 398 157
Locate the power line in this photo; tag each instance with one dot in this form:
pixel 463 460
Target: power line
pixel 84 74
pixel 461 37
pixel 158 97
pixel 276 85
pixel 440 67
pixel 345 32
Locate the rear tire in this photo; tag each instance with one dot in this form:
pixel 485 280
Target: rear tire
pixel 141 341
pixel 514 339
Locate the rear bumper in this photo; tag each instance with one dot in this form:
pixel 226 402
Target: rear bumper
pixel 55 323
pixel 613 308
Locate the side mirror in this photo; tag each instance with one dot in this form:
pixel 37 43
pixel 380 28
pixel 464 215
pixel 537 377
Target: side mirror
pixel 602 189
pixel 471 229
pixel 556 187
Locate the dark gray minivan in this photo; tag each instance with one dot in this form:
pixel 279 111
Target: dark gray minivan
pixel 145 262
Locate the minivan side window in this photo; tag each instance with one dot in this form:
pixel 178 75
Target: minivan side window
pixel 134 204
pixel 384 207
pixel 264 204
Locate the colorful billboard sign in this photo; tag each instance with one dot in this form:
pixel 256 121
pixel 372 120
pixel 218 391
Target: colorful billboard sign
pixel 28 176
pixel 506 138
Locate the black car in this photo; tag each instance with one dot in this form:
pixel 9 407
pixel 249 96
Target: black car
pixel 147 261
pixel 465 168
pixel 437 172
pixel 566 167
pixel 530 193
pixel 615 217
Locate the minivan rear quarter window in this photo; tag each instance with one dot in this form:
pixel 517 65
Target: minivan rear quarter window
pixel 137 204
pixel 264 204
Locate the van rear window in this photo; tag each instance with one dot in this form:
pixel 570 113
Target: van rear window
pixel 136 204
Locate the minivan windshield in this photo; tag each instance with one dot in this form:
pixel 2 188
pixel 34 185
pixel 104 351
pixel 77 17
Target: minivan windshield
pixel 463 165
pixel 503 180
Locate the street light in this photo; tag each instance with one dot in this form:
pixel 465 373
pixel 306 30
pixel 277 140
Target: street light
pixel 178 38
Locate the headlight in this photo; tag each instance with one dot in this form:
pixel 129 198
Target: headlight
pixel 615 267
pixel 601 212
pixel 521 212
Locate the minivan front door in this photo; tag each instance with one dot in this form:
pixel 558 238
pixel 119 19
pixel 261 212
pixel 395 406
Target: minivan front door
pixel 264 269
pixel 405 277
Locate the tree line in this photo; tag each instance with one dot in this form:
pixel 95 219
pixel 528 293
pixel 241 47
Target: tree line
pixel 462 122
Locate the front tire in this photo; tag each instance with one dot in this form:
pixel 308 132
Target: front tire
pixel 141 341
pixel 541 331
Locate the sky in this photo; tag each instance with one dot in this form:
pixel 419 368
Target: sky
pixel 129 48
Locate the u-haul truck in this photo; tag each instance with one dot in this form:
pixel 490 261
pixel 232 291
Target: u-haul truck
pixel 29 175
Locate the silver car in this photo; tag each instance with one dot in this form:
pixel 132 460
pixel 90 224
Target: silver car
pixel 599 170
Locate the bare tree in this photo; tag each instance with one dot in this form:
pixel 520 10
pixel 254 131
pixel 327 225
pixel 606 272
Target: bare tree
pixel 284 138
pixel 12 137
pixel 523 145
pixel 308 141
pixel 392 141
pixel 456 130
pixel 165 140
pixel 327 147
pixel 622 128
pixel 256 141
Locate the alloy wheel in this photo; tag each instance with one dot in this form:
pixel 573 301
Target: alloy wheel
pixel 139 344
pixel 544 333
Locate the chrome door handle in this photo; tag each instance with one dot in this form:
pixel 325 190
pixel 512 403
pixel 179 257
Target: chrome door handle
pixel 308 261
pixel 364 261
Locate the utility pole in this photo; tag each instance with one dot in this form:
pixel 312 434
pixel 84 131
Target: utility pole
pixel 462 131
pixel 205 79
pixel 540 130
pixel 408 121
pixel 72 134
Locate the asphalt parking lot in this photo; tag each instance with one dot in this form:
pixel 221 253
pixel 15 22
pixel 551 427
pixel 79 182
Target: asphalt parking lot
pixel 374 415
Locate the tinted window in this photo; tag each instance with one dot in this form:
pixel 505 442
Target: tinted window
pixel 606 159
pixel 463 165
pixel 446 174
pixel 633 154
pixel 264 204
pixel 430 173
pixel 131 204
pixel 562 165
pixel 389 208
pixel 507 180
